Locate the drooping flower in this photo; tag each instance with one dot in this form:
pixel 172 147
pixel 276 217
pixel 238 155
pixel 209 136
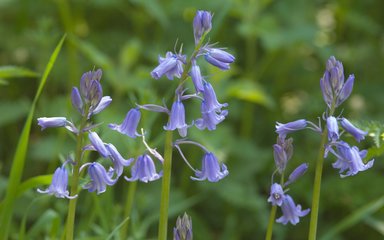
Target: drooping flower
pixel 129 125
pixel 104 102
pixel 144 170
pixel 211 169
pixel 349 160
pixel 202 23
pixel 59 184
pixel 291 212
pixel 98 144
pixel 183 229
pixel 100 178
pixel 277 195
pixel 285 128
pixel 358 134
pixel 210 98
pixel 197 79
pixel 76 100
pixel 210 118
pixel 218 58
pixel 333 129
pixel 297 173
pixel 177 119
pixel 171 66
pixel 118 161
pixel 49 122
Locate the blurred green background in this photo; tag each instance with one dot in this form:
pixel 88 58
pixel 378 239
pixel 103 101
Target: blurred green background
pixel 281 48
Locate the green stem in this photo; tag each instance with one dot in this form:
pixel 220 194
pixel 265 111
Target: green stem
pixel 75 181
pixel 272 217
pixel 165 186
pixel 128 208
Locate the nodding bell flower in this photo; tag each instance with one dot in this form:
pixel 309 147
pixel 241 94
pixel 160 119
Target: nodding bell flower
pixel 118 161
pixel 358 134
pixel 297 173
pixel 285 128
pixel 100 178
pixel 211 169
pixel 177 119
pixel 349 159
pixel 197 79
pixel 291 212
pixel 98 144
pixel 59 184
pixel 129 125
pixel 218 58
pixel 210 118
pixel 144 170
pixel 333 129
pixel 210 98
pixel 171 66
pixel 49 122
pixel 183 229
pixel 202 23
pixel 277 195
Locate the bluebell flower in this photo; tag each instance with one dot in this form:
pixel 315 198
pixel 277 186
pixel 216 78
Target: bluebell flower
pixel 104 102
pixel 358 134
pixel 333 129
pixel 49 122
pixel 99 177
pixel 76 100
pixel 144 170
pixel 210 98
pixel 297 173
pixel 98 144
pixel 218 58
pixel 210 118
pixel 129 125
pixel 211 169
pixel 118 161
pixel 202 23
pixel 87 86
pixel 346 90
pixel 277 195
pixel 183 229
pixel 349 160
pixel 285 128
pixel 59 184
pixel 177 119
pixel 171 66
pixel 291 212
pixel 197 79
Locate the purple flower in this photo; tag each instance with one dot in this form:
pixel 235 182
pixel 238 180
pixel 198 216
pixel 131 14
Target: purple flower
pixel 284 128
pixel 210 118
pixel 298 172
pixel 210 98
pixel 98 144
pixel 77 102
pixel 211 169
pixel 183 229
pixel 177 119
pixel 118 161
pixel 333 129
pixel 277 195
pixel 87 86
pixel 129 125
pixel 219 58
pixel 350 159
pixel 197 79
pixel 280 157
pixel 291 212
pixel 48 122
pixel 144 170
pixel 202 23
pixel 358 134
pixel 171 66
pixel 100 178
pixel 59 184
pixel 104 102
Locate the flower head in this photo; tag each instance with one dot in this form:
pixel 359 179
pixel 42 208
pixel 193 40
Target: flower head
pixel 291 212
pixel 218 58
pixel 358 134
pixel 100 178
pixel 129 125
pixel 171 66
pixel 59 184
pixel 177 119
pixel 211 169
pixel 284 128
pixel 277 195
pixel 48 122
pixel 144 170
pixel 210 117
pixel 183 229
pixel 202 23
pixel 118 161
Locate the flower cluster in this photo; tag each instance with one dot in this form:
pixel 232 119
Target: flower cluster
pixel 335 90
pixel 178 66
pixel 89 100
pixel 183 228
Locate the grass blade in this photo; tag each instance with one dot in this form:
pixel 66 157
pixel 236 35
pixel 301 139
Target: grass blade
pixel 21 151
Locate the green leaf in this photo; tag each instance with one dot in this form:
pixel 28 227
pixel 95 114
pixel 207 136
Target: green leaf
pixel 21 151
pixel 15 72
pixel 34 183
pixel 251 92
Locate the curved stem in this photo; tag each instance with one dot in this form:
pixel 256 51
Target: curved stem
pixel 75 181
pixel 165 186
